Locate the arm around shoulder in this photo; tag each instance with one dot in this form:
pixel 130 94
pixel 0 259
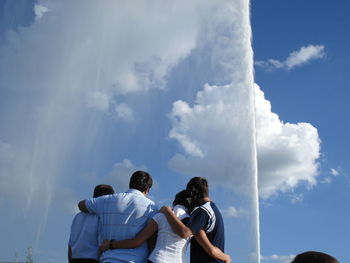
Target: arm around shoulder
pixel 176 224
pixel 144 235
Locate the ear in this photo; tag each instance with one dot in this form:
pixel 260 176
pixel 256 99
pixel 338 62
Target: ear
pixel 146 191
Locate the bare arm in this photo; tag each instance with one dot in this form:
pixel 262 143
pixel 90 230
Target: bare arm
pixel 211 250
pixel 82 206
pixel 69 254
pixel 176 224
pixel 151 242
pixel 145 234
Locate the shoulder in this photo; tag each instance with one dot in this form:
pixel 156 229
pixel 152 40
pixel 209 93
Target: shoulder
pixel 100 199
pixel 205 208
pixel 215 209
pixel 159 217
pixel 145 200
pixel 84 219
pixel 80 216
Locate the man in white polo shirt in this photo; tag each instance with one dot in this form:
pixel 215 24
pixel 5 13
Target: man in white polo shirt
pixel 123 216
pixel 85 230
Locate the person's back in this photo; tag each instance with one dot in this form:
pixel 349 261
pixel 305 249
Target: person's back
pixel 85 232
pixel 123 215
pixel 206 217
pixel 169 247
pixel 83 240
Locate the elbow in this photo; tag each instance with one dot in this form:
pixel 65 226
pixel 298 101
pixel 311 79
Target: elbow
pixel 185 233
pixel 137 243
pixel 212 253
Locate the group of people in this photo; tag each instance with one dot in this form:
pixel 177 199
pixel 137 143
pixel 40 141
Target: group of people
pixel 128 227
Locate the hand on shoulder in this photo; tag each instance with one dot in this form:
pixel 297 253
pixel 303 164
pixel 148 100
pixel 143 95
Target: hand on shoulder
pixel 165 209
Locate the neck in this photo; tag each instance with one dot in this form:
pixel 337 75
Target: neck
pixel 204 200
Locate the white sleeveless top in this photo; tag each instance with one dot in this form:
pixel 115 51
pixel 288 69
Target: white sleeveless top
pixel 170 248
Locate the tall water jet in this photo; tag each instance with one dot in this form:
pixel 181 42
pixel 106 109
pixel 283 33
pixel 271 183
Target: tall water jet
pixel 165 86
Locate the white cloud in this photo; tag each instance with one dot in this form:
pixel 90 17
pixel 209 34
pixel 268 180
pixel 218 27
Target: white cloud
pixel 326 180
pixel 287 153
pixel 110 54
pixel 278 258
pixel 232 211
pixel 98 100
pixel 296 58
pixel 39 11
pixel 213 134
pixel 214 137
pixel 334 172
pixel 124 112
pixel 296 198
pixel 119 176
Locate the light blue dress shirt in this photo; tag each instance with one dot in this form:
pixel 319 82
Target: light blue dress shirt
pixel 83 238
pixel 123 216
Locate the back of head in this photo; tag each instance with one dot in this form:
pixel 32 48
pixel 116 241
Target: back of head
pixel 184 198
pixel 314 257
pixel 141 181
pixel 198 188
pixel 103 189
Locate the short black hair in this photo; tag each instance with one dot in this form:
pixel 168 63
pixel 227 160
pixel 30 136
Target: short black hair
pixel 103 189
pixel 314 257
pixel 184 198
pixel 198 187
pixel 141 180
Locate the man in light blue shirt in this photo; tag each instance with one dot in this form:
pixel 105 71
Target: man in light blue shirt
pixel 83 246
pixel 123 216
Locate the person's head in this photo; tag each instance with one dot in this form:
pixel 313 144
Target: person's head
pixel 184 198
pixel 314 257
pixel 141 181
pixel 198 188
pixel 103 189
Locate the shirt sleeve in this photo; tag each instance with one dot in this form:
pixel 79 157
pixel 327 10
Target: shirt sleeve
pixel 94 204
pixel 157 218
pixel 199 220
pixel 153 210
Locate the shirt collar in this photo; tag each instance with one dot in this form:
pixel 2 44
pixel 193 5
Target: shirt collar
pixel 135 191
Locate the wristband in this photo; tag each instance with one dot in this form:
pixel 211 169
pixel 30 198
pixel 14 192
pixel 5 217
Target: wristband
pixel 111 244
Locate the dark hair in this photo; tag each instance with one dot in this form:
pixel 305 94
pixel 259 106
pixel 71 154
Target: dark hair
pixel 103 189
pixel 314 257
pixel 184 198
pixel 198 188
pixel 141 181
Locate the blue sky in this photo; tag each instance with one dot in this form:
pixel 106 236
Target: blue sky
pixel 316 92
pixel 163 87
